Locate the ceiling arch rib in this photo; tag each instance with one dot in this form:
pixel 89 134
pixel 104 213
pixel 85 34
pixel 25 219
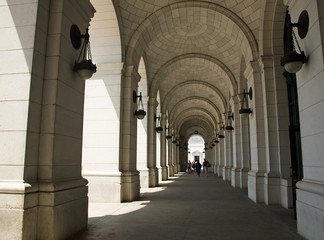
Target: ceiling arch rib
pixel 200 102
pixel 176 21
pixel 197 124
pixel 221 71
pixel 202 88
pixel 193 112
pixel 187 132
pixel 200 121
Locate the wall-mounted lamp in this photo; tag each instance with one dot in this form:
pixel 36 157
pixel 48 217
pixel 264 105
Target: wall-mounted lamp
pixel 293 61
pixel 139 113
pixel 244 103
pixel 168 136
pixel 158 129
pixel 221 127
pixel 230 117
pixel 83 66
pixel 216 140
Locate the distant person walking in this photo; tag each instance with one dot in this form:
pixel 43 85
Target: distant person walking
pixel 198 168
pixel 189 166
pixel 206 164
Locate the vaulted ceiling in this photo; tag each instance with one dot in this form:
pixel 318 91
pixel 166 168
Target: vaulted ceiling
pixel 194 53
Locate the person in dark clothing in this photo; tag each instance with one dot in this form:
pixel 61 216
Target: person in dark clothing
pixel 198 167
pixel 205 166
pixel 189 167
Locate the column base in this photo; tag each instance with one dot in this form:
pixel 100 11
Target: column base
pixel 18 210
pixel 220 170
pixel 104 187
pixel 244 177
pixel 215 169
pixel 286 193
pixel 144 178
pixel 159 169
pixel 272 189
pixel 164 173
pixel 171 172
pixel 227 173
pixel 63 209
pixel 153 177
pixel 130 186
pixel 175 169
pixel 310 209
pixel 236 177
pixel 256 186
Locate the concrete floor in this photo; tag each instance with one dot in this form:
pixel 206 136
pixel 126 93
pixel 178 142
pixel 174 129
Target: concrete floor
pixel 190 207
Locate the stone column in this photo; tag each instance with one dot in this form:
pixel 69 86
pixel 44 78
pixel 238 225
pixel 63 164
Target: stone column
pixel 221 157
pixel 142 147
pixel 310 84
pixel 151 144
pixel 174 158
pixel 21 85
pixel 228 156
pixel 178 157
pixel 130 176
pixel 62 200
pixel 101 133
pixel 272 189
pixel 163 148
pixel 216 158
pixel 170 164
pixel 245 150
pixel 213 159
pixel 237 162
pixel 257 134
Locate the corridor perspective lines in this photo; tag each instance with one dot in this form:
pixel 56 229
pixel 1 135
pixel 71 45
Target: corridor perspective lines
pixel 190 207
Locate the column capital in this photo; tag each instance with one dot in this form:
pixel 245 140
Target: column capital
pixel 266 61
pixel 252 67
pixel 130 71
pixel 109 69
pixel 153 102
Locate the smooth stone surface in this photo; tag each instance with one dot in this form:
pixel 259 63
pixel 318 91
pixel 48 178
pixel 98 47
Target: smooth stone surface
pixel 190 207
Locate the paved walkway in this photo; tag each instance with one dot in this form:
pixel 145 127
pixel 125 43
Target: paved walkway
pixel 190 207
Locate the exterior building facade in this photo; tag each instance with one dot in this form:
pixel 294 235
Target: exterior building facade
pixel 65 141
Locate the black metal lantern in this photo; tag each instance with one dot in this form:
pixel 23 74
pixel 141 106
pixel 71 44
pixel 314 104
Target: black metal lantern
pixel 230 117
pixel 168 136
pixel 221 127
pixel 139 113
pixel 244 103
pixel 83 66
pixel 293 61
pixel 158 129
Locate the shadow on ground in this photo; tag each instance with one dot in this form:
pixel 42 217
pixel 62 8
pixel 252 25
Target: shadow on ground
pixel 191 207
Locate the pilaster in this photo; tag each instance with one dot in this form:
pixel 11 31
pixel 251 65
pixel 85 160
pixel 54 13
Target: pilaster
pixel 237 162
pixel 151 143
pixel 163 148
pixel 130 176
pixel 257 133
pixel 100 161
pixel 170 164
